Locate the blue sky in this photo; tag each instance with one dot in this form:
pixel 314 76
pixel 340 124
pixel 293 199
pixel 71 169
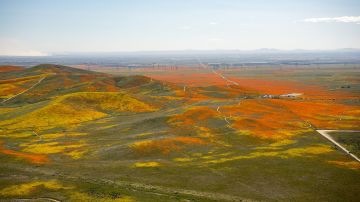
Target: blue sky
pixel 36 27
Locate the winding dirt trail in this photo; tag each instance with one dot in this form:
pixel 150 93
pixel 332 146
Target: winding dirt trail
pixel 36 134
pixel 225 118
pixel 26 90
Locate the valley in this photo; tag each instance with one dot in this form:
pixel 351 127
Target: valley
pixel 183 134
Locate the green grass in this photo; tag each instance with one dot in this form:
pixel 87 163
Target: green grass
pixel 351 141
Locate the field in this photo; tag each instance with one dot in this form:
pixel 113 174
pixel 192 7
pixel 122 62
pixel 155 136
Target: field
pixel 351 141
pixel 178 134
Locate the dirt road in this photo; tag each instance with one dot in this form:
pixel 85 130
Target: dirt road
pixel 26 90
pixel 325 133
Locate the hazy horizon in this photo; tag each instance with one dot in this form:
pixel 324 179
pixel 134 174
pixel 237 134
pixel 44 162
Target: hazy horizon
pixel 40 28
pixel 190 51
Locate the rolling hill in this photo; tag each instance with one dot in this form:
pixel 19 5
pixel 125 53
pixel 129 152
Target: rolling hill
pixel 75 135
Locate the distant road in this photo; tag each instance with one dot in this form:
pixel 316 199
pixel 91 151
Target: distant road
pixel 217 73
pixel 226 79
pixel 325 133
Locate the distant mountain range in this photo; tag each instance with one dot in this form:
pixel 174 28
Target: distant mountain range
pixel 192 57
pixel 191 51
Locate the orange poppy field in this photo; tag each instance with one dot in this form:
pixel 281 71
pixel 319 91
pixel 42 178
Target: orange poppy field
pixel 177 134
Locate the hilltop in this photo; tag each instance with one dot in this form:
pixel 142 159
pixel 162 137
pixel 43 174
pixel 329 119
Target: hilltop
pixel 9 68
pixel 55 80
